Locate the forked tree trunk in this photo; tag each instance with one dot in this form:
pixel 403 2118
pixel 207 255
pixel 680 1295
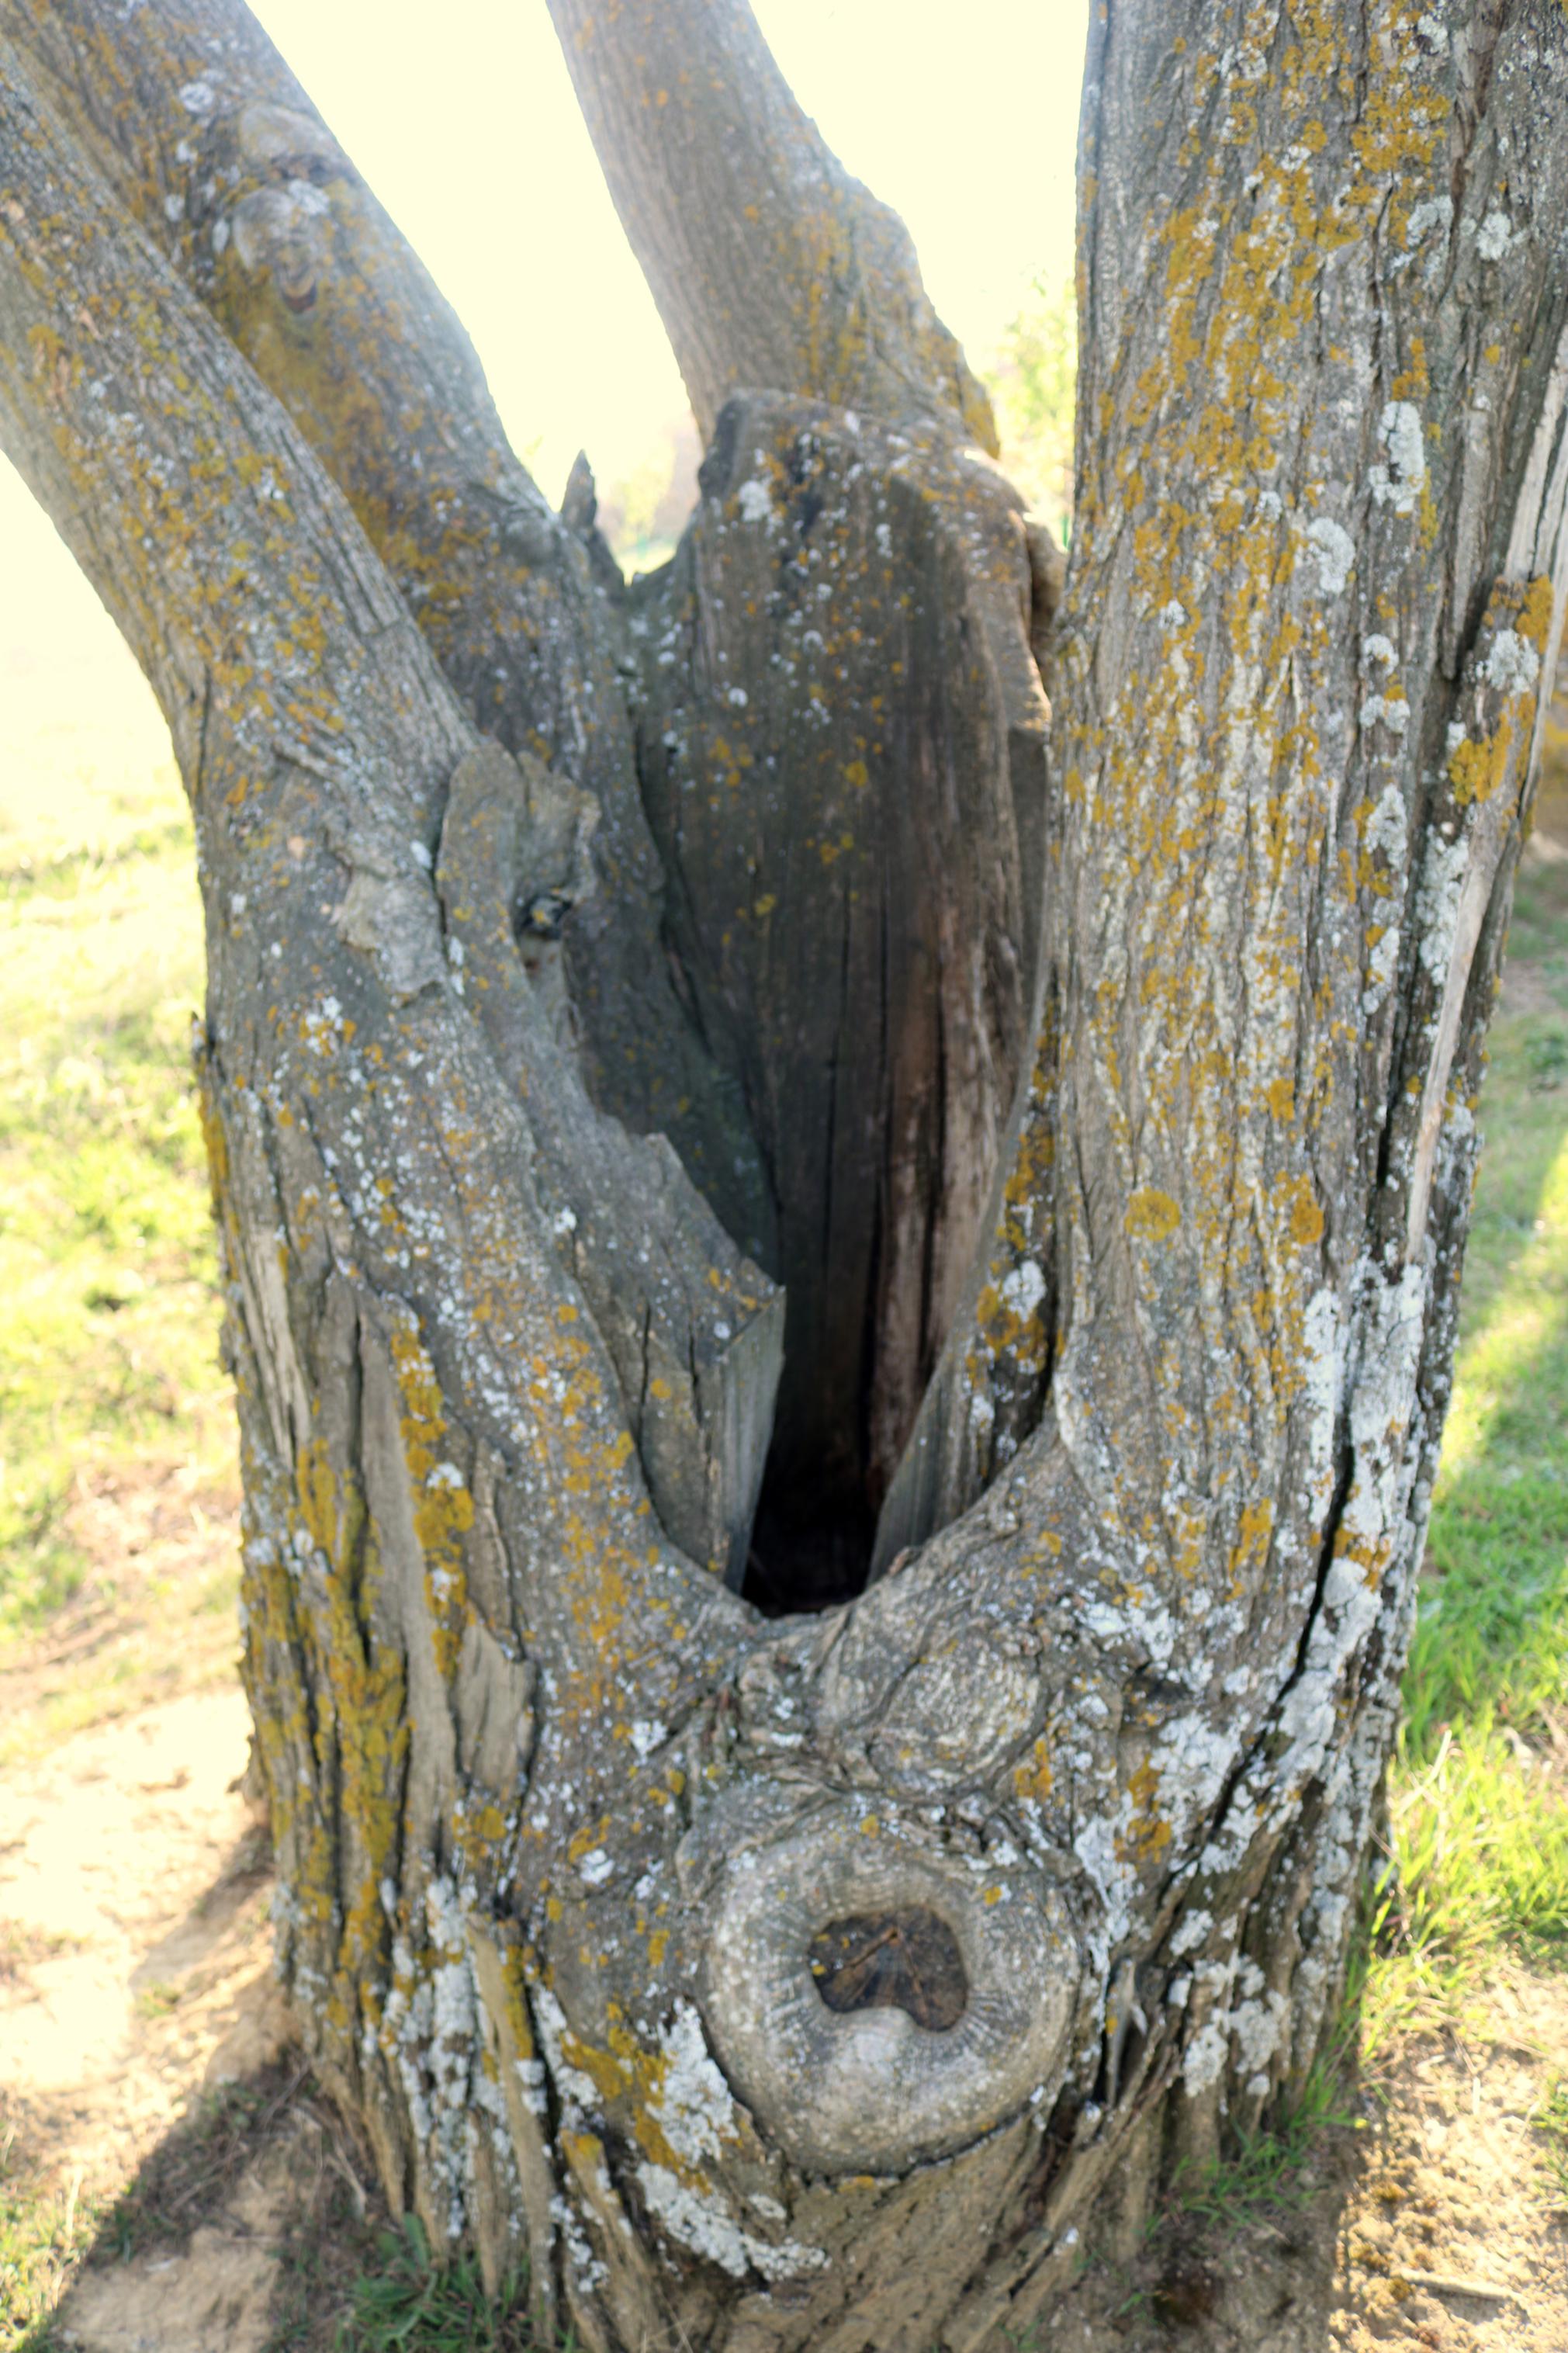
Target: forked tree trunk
pixel 809 1982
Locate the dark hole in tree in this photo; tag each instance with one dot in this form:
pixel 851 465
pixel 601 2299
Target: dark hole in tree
pixel 807 1552
pixel 815 1526
pixel 905 1960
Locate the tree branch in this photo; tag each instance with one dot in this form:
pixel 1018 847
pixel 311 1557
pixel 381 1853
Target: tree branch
pixel 213 147
pixel 330 771
pixel 1244 906
pixel 772 269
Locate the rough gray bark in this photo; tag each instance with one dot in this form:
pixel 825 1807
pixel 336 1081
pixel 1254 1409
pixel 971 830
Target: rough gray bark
pixel 812 1984
pixel 211 143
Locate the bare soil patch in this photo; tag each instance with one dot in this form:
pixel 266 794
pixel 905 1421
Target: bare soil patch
pixel 152 2099
pixel 152 1617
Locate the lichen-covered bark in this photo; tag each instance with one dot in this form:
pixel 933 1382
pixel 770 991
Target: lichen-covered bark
pixel 563 1825
pixel 426 1403
pixel 1319 562
pixel 213 147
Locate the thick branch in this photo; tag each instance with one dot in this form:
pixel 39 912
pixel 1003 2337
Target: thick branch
pixel 210 142
pixel 331 770
pixel 1321 442
pixel 772 269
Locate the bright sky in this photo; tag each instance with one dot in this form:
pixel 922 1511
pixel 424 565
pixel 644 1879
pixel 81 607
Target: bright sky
pixel 464 122
pixel 479 151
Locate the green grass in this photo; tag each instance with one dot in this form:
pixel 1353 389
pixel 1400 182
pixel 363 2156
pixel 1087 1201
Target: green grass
pixel 108 1314
pixel 43 2230
pixel 1267 2170
pixel 414 2304
pixel 1031 378
pixel 1476 1788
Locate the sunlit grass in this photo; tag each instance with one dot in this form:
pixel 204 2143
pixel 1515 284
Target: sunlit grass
pixel 108 1313
pixel 1478 1822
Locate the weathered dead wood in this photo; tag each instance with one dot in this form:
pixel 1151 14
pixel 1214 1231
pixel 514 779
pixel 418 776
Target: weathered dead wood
pixel 842 751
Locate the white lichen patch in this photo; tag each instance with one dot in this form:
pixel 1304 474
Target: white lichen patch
pixel 1204 2061
pixel 1023 1289
pixel 1193 1758
pixel 1113 1877
pixel 1335 551
pixel 1390 710
pixel 1399 484
pixel 584 2262
pixel 1190 1931
pixel 1494 235
pixel 1432 212
pixel 1257 2019
pixel 1438 902
pixel 1387 828
pixel 577 2091
pixel 692 2104
pixel 703 2221
pixel 1512 664
pixel 430 2032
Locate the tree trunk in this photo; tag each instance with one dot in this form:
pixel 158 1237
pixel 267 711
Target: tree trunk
pixel 808 1983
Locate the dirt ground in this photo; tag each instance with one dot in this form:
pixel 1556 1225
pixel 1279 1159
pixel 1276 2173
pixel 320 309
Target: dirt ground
pixel 142 2043
pixel 157 2129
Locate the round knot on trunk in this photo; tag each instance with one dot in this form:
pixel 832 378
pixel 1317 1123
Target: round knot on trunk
pixel 877 2000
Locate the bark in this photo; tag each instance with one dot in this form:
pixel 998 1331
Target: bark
pixel 213 146
pixel 815 1984
pixel 210 142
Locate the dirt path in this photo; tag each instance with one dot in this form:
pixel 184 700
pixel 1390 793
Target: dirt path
pixel 1459 2195
pixel 134 1973
pixel 129 1878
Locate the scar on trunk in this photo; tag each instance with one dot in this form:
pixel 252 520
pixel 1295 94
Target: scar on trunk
pixel 905 1960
